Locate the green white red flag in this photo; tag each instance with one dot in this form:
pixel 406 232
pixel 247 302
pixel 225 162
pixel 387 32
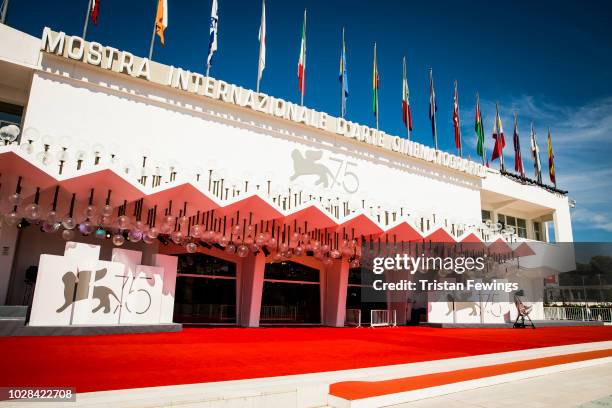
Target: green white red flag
pixel 406 113
pixel 478 127
pixel 301 71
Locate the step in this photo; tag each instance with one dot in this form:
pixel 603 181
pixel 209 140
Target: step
pixel 9 326
pixel 358 394
pixel 13 311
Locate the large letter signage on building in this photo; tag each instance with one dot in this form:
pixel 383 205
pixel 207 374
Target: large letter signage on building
pixel 123 62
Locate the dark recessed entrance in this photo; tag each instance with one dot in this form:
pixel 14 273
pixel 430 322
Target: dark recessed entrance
pixel 291 294
pixel 205 290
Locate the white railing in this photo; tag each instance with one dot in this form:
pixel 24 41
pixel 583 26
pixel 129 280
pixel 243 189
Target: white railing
pixel 383 318
pixel 278 312
pixel 353 317
pixel 207 312
pixel 599 314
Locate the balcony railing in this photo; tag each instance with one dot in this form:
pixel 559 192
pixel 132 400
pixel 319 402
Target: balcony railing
pixel 577 313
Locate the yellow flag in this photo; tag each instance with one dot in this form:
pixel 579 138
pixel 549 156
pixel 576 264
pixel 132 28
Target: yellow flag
pixel 161 19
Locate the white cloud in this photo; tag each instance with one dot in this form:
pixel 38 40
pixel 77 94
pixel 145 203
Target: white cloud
pixel 590 219
pixel 582 142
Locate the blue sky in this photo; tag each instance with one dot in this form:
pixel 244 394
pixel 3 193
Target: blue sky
pixel 549 61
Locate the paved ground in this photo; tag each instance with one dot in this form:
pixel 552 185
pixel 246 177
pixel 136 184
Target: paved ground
pixel 585 387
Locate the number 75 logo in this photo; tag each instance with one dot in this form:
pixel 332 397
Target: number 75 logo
pixel 344 176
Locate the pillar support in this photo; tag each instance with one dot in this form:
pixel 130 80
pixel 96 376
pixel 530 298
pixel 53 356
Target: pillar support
pixel 252 277
pixel 336 276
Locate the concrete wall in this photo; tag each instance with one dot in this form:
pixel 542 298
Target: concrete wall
pixel 104 107
pixel 557 203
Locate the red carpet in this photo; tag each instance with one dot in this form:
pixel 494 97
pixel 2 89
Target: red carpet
pixel 94 363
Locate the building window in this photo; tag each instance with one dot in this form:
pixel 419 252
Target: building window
pixel 521 227
pixel 10 114
pixel 537 231
pixel 519 224
pixel 486 215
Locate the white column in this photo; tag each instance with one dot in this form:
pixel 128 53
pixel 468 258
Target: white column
pixel 562 223
pixel 252 277
pixel 336 279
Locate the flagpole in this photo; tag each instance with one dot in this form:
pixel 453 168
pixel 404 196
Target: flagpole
pixel 304 69
pixel 515 131
pixel 376 85
pixel 432 106
pixel 260 42
pixel 86 18
pixel 551 158
pixel 537 164
pixel 458 122
pixel 153 37
pixel 477 119
pixel 4 11
pixel 405 96
pixel 342 56
pixel 500 148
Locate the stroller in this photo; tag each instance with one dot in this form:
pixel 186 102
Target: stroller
pixel 523 311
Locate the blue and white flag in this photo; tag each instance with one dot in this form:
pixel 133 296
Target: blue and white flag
pixel 212 43
pixel 343 77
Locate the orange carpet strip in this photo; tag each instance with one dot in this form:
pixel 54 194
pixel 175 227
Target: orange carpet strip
pixel 354 390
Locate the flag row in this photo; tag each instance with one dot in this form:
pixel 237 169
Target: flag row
pixel 161 23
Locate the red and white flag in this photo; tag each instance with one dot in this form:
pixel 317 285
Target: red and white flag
pixel 301 71
pixel 95 8
pixel 406 113
pixel 456 120
pixel 498 136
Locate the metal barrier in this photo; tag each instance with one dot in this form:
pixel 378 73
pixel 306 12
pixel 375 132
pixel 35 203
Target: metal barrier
pixel 279 312
pixel 600 314
pixel 353 317
pixel 206 312
pixel 383 318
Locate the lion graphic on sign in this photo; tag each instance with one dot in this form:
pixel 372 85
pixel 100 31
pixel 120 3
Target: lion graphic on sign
pixel 460 302
pixel 306 165
pixel 103 294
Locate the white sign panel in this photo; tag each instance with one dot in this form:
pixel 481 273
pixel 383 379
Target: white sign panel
pixel 80 289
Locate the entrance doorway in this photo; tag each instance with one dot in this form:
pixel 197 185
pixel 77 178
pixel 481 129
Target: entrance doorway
pixel 205 290
pixel 291 294
pixel 361 296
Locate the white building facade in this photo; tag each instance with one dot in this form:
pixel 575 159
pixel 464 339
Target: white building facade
pixel 103 127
